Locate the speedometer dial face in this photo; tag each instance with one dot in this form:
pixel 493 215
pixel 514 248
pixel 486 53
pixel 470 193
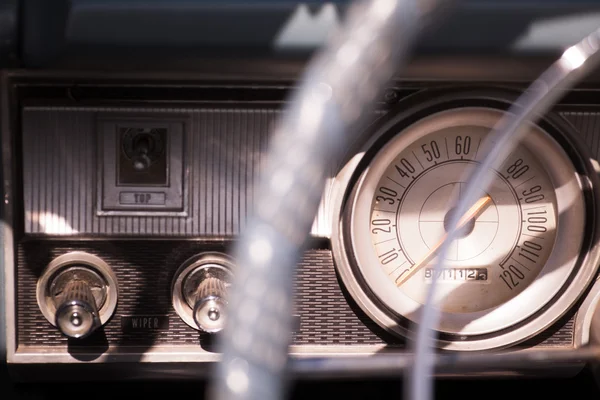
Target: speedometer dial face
pixel 499 252
pixel 517 247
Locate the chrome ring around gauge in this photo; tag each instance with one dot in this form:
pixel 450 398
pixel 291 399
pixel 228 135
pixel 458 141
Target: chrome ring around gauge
pixel 516 267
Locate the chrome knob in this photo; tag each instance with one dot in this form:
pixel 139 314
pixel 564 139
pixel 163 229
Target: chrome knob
pixel 76 310
pixel 210 307
pixel 77 293
pixel 199 291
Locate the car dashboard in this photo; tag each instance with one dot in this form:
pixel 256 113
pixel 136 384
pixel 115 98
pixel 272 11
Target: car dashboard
pixel 127 186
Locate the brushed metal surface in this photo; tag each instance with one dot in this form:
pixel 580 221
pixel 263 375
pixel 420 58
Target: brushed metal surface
pixel 226 148
pixel 586 123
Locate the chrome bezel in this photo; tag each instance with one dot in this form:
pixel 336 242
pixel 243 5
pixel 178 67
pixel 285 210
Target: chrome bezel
pixel 575 274
pixel 215 260
pixel 91 261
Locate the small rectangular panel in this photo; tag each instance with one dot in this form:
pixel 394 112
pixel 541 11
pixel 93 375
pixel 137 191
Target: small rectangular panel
pixel 143 198
pixel 141 166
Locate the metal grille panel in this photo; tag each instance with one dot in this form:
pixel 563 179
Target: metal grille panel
pixel 145 270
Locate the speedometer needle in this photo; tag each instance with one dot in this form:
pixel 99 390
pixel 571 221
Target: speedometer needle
pixel 471 214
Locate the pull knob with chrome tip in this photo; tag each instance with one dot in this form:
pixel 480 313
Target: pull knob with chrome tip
pixel 210 306
pixel 76 310
pixel 77 293
pixel 199 291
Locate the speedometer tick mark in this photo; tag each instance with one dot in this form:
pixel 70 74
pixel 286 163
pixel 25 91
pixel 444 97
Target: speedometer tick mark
pixel 384 241
pixel 397 268
pixel 397 183
pixel 477 150
pixel 518 262
pixel 533 208
pixel 447 154
pixel 524 182
pixel 416 158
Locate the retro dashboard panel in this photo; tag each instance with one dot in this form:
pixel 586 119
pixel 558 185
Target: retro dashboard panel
pixel 150 178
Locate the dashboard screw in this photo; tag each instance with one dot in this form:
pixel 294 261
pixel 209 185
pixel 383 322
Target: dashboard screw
pixel 391 96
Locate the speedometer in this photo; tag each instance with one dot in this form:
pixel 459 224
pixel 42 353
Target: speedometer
pixel 516 264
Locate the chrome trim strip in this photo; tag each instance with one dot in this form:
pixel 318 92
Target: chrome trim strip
pixel 7 261
pixel 40 354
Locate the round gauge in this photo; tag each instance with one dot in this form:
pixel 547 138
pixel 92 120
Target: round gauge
pixel 517 248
